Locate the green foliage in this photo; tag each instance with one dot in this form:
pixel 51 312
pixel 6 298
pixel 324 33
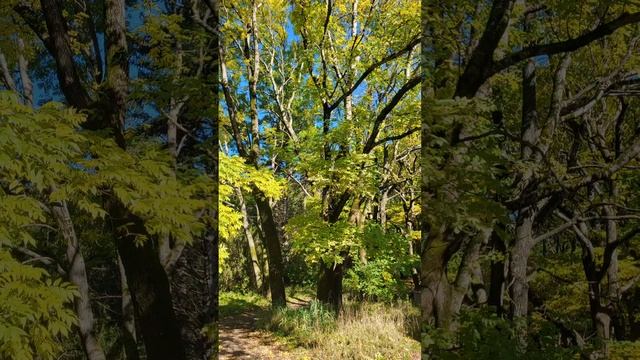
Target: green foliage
pixel 35 318
pixel 35 148
pixel 45 159
pixel 377 280
pixel 235 173
pixel 235 303
pixel 383 277
pixel 484 336
pixel 319 240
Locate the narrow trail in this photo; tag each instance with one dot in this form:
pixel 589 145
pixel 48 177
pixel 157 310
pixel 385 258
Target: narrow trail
pixel 240 338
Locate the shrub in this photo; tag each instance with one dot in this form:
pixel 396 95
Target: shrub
pixel 482 335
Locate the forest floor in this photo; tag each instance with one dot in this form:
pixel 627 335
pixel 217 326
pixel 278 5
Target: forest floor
pixel 248 329
pixel 242 336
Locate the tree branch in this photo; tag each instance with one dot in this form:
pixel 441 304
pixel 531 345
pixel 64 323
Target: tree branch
pixel 371 141
pixel 371 68
pixel 566 45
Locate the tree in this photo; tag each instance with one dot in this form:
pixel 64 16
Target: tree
pixel 164 200
pixel 518 137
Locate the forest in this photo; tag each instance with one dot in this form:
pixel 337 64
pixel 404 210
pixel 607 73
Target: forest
pixel 107 180
pixel 320 179
pixel 529 188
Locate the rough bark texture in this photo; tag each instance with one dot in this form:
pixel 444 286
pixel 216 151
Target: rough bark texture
pixel 58 46
pixel 518 259
pixel 190 292
pixel 149 287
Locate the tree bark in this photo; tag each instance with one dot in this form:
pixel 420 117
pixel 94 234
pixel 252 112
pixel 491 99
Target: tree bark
pixel 23 65
pixel 149 287
pixel 128 317
pixel 255 274
pixel 146 277
pixel 78 276
pixel 273 247
pixel 59 46
pixel 329 290
pixel 7 79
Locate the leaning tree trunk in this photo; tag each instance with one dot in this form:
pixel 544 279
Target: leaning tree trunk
pixel 129 341
pixel 274 251
pixel 254 269
pixel 78 277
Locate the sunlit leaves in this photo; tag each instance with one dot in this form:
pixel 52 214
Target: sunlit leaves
pixel 234 173
pixel 34 311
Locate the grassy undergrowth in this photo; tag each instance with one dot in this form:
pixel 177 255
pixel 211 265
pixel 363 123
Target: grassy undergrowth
pixel 367 330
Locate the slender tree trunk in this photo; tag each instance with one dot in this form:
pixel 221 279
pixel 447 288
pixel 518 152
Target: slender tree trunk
pixel 78 277
pixel 7 78
pixel 128 317
pixel 496 286
pixel 23 65
pixel 255 274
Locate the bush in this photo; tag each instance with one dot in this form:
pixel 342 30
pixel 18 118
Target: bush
pixel 378 280
pixel 482 335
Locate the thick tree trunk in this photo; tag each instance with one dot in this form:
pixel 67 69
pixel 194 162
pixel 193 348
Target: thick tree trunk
pixel 78 276
pixel 518 282
pixel 149 288
pixel 329 290
pixel 146 277
pixel 435 295
pixel 274 251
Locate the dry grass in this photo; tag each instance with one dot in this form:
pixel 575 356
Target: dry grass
pixel 362 331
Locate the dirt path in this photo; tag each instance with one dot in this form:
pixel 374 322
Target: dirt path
pixel 240 339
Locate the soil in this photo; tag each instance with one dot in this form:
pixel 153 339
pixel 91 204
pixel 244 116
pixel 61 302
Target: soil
pixel 240 338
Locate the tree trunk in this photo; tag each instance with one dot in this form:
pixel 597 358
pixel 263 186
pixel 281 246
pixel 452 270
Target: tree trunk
pixel 518 259
pixel 23 65
pixel 496 286
pixel 7 79
pixel 78 277
pixel 329 290
pixel 518 282
pixel 274 251
pixel 435 294
pixel 149 288
pixel 128 317
pixel 255 275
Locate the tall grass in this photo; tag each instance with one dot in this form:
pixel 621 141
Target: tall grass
pixel 361 331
